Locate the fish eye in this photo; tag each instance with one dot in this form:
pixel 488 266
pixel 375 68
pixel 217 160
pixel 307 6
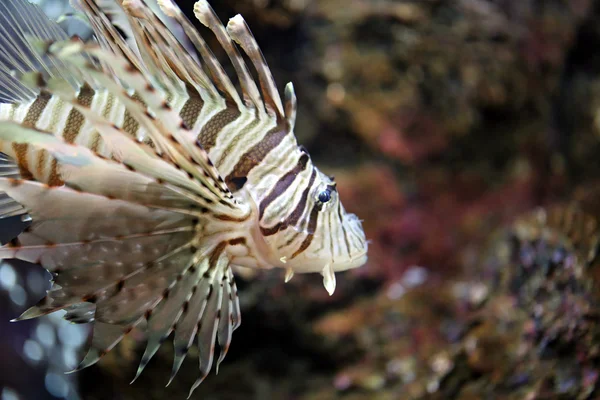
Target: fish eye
pixel 325 196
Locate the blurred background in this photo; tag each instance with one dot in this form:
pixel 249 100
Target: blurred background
pixel 466 135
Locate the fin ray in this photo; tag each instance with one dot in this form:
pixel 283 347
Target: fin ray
pixel 168 134
pixel 207 16
pixel 19 22
pixel 240 32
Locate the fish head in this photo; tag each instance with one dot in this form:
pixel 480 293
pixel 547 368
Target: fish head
pixel 325 239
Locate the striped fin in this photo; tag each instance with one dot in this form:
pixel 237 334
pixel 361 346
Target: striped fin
pixel 148 23
pixel 130 262
pixel 163 320
pixel 240 32
pixel 113 13
pixel 20 20
pixel 87 171
pixel 164 50
pixel 122 293
pixel 167 130
pixel 108 21
pixel 115 241
pixel 170 73
pixel 104 338
pixel 230 315
pixel 120 20
pixel 104 17
pixel 291 106
pixel 113 219
pixel 161 184
pixel 121 234
pixel 189 322
pixel 207 16
pixel 175 132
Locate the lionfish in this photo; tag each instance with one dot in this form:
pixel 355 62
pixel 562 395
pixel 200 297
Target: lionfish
pixel 146 174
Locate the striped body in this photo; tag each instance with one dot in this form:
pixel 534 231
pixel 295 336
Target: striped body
pixel 217 127
pixel 147 177
pixel 269 154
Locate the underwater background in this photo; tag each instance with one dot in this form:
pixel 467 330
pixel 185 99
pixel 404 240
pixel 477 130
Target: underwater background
pixel 466 135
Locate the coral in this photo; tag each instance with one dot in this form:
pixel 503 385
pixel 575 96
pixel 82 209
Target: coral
pixel 530 331
pixel 414 76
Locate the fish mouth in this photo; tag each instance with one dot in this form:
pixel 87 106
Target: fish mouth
pixel 357 260
pixel 316 265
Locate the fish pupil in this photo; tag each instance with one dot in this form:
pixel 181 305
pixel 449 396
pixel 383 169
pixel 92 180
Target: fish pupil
pixel 325 196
